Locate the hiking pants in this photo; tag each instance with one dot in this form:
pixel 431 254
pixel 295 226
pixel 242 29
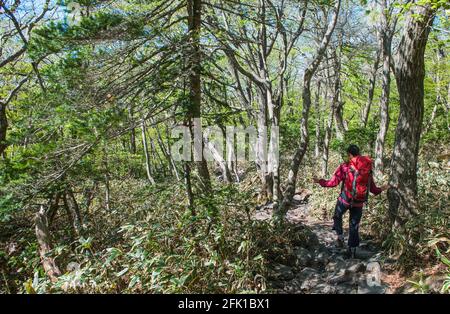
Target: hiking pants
pixel 355 218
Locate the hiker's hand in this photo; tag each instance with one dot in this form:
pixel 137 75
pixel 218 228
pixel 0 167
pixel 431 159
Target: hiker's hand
pixel 316 180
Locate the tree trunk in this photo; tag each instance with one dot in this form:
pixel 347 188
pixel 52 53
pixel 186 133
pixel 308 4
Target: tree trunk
pixel 306 97
pixel 189 194
pixel 372 81
pixel 53 209
pixel 318 121
pixel 230 149
pixel 440 55
pixel 3 128
pixel 273 163
pixel 89 195
pixel 273 115
pixel 385 45
pixel 168 152
pixel 156 156
pixel 329 127
pixel 337 103
pixel 195 20
pixel 45 245
pixel 447 107
pixel 75 212
pixel 409 74
pixel 107 187
pixel 133 131
pixel 147 156
pixel 217 156
pixel 261 146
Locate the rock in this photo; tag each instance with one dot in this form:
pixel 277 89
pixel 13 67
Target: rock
pixel 331 266
pixel 306 238
pixel 344 289
pixel 335 264
pixel 262 215
pixel 340 277
pixel 308 271
pixel 324 288
pixel 277 284
pixel 367 287
pixel 370 283
pixel 302 195
pixel 321 258
pixel 373 272
pixel 291 287
pixel 295 284
pixel 356 268
pixel 309 283
pixel 283 272
pixel 303 257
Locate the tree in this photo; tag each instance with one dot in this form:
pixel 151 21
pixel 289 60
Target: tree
pixel 19 29
pixel 195 95
pixel 252 45
pixel 372 82
pixel 385 33
pixel 306 103
pixel 409 74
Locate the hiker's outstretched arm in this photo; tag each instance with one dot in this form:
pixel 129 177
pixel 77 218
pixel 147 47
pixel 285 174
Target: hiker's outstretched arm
pixel 337 177
pixel 373 188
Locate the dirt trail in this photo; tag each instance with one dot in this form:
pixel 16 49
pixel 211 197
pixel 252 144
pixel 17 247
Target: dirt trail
pixel 324 268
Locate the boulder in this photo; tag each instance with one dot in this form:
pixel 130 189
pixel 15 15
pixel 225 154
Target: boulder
pixel 368 287
pixel 345 289
pixel 321 257
pixel 309 283
pixel 282 272
pixel 302 195
pixel 307 272
pixel 342 276
pixel 303 257
pixel 324 288
pixel 356 268
pixel 373 272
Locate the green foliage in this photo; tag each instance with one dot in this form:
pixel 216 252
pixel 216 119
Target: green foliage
pixel 363 137
pixel 124 63
pixel 445 261
pixel 157 250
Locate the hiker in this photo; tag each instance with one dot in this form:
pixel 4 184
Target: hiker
pixel 357 180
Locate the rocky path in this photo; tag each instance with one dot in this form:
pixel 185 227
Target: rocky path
pixel 324 268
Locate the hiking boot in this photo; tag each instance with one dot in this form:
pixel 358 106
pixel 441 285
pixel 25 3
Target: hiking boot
pixel 340 242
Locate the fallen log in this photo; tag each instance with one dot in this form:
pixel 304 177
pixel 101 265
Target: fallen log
pixel 45 245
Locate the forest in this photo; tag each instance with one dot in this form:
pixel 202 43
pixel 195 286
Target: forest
pixel 184 146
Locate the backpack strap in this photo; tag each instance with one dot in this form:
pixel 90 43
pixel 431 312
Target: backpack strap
pixel 355 176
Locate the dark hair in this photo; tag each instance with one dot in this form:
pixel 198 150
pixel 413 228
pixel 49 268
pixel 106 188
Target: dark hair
pixel 353 149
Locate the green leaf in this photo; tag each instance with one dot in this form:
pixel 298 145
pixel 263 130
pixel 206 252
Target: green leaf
pixel 122 272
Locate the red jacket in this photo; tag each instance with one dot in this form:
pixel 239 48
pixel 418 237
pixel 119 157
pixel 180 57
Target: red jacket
pixel 339 176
